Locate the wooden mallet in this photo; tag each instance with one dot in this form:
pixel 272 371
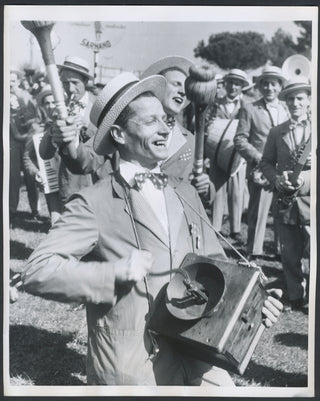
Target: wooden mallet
pixel 201 88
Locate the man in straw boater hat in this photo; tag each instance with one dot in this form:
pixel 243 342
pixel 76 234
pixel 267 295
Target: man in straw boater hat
pixel 135 230
pixel 74 75
pixel 255 121
pixel 229 189
pixel 179 162
pixel 281 153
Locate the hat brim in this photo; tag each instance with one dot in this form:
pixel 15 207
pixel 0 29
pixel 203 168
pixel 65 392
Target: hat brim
pixel 239 77
pixel 103 143
pixel 274 76
pixel 42 95
pixel 175 62
pixel 302 87
pixel 181 63
pixel 64 67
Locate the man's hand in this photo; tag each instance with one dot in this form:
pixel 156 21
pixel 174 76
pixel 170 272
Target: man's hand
pixel 283 183
pixel 201 183
pixel 135 267
pixel 272 307
pixel 64 131
pixel 39 179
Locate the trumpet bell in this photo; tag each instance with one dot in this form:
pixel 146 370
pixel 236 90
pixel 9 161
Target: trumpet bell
pixel 296 66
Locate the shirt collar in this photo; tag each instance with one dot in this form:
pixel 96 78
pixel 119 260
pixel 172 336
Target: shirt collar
pixel 129 169
pixel 234 100
pixel 299 120
pixel 273 104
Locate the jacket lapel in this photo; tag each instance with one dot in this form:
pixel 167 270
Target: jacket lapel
pixel 286 137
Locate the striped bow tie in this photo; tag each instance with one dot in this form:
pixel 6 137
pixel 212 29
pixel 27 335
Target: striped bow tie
pixel 159 180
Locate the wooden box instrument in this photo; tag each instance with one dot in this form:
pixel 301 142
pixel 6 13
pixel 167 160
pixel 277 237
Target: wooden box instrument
pixel 211 309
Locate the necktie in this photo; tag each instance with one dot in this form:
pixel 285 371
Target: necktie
pixel 159 180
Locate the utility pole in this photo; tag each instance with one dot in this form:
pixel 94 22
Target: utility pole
pixel 98 32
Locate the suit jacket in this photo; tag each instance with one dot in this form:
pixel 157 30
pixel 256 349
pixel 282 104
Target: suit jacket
pixel 96 225
pixel 278 156
pixel 253 129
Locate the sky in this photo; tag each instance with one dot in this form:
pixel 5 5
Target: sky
pixel 137 38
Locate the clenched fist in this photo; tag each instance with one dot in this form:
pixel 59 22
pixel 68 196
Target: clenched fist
pixel 134 267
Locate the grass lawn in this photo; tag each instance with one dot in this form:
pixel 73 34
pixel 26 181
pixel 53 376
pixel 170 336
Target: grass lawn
pixel 48 339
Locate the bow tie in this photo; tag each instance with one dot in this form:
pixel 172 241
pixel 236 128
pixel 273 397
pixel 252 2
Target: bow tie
pixel 159 180
pixel 171 122
pixel 294 124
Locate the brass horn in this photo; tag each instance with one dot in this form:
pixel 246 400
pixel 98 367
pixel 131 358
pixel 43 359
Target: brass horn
pixel 296 66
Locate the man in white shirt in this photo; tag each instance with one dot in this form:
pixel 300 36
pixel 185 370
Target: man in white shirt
pixel 131 248
pixel 281 155
pixel 229 190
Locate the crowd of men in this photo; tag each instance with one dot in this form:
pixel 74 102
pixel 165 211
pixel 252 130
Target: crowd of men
pixel 128 207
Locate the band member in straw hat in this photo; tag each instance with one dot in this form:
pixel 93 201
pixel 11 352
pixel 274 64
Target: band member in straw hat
pixel 229 190
pixel 255 121
pixel 179 163
pixel 74 74
pixel 135 228
pixel 280 156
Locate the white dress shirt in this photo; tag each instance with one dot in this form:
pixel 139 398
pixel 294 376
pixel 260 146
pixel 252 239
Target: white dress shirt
pixel 155 197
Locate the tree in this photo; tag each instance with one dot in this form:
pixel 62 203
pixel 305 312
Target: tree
pixel 234 50
pixel 304 41
pixel 281 47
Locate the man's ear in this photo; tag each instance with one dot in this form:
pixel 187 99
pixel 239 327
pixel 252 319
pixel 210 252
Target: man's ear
pixel 117 134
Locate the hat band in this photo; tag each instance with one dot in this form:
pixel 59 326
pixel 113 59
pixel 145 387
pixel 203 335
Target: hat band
pixel 297 86
pixel 113 101
pixel 77 66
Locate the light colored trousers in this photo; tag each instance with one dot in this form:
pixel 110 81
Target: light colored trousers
pixel 230 199
pixel 259 205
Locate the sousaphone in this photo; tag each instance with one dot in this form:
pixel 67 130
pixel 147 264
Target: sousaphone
pixel 296 66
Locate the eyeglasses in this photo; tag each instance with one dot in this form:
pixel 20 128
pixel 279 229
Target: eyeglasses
pixel 152 122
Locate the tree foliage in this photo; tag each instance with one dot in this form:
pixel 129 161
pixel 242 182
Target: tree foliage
pixel 249 49
pixel 234 50
pixel 304 40
pixel 281 47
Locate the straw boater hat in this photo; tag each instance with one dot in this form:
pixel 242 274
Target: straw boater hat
pixel 178 62
pixel 114 97
pixel 77 64
pixel 219 78
pixel 237 74
pixel 271 72
pixel 46 91
pixel 294 85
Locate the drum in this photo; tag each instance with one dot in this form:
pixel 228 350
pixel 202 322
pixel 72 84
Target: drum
pixel 220 147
